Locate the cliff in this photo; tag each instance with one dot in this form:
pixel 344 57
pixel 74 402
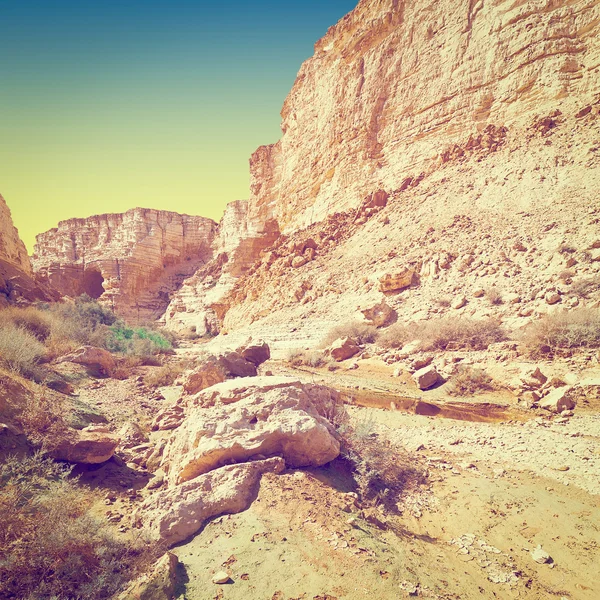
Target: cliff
pixel 131 260
pixel 394 84
pixel 17 282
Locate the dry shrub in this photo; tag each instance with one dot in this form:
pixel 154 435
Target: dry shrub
pixel 444 301
pixel 361 333
pixel 584 287
pixel 309 358
pixel 443 334
pixel 52 546
pixel 470 381
pixel 164 376
pixel 20 350
pixel 494 296
pixel 43 421
pixel 563 331
pixel 36 322
pixel 382 471
pixel 566 275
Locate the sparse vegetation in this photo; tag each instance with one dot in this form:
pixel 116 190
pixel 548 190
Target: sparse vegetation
pixel 382 471
pixel 165 375
pixel 136 341
pixel 470 381
pixel 309 358
pixel 52 545
pixel 445 334
pixel 20 350
pixel 361 333
pixel 561 331
pixel 494 296
pixel 584 287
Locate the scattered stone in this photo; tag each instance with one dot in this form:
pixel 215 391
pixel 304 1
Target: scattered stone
pixel 559 399
pixel 221 577
pixel 552 298
pixel 459 302
pixel 380 315
pixel 396 282
pixel 540 556
pixel 343 349
pixel 426 378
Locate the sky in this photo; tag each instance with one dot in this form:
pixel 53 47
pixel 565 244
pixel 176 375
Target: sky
pixel 106 105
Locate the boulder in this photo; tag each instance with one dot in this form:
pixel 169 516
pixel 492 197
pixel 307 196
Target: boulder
pixel 255 352
pixel 426 378
pixel 396 282
pixel 174 514
pixel 158 584
pixel 552 298
pixel 241 420
pixel 560 399
pixel 459 302
pixel 96 360
pixel 92 445
pixel 380 315
pixel 533 379
pixel 205 375
pixel 235 365
pixel 343 349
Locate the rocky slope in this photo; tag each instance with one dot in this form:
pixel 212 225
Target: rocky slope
pixel 131 260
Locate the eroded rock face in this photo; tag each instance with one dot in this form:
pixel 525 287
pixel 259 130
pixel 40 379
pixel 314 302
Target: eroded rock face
pixel 394 85
pixel 240 420
pixel 132 261
pixel 17 281
pixel 175 514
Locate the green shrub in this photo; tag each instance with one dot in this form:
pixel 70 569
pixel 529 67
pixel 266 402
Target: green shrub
pixel 52 545
pixel 563 331
pixel 136 341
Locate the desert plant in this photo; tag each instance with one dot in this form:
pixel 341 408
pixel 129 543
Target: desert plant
pixel 469 381
pixel 442 334
pixel 563 331
pixel 52 545
pixel 136 341
pixel 585 287
pixel 361 333
pixel 494 296
pixel 382 471
pixel 20 350
pixel 310 358
pixel 165 375
pixel 37 322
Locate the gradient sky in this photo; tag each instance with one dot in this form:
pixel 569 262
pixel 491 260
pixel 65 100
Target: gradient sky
pixel 109 105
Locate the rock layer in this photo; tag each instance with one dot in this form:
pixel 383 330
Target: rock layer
pixel 131 260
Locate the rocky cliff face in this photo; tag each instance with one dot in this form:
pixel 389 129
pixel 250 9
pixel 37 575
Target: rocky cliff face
pixel 132 260
pixel 12 249
pixel 394 84
pixel 17 282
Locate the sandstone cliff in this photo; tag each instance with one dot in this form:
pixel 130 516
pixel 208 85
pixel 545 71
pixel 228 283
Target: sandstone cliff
pixel 395 83
pixel 131 260
pixel 17 282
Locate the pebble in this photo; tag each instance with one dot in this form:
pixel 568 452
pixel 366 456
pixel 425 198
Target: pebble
pixel 221 577
pixel 540 555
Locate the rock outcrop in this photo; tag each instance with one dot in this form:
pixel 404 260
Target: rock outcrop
pixel 17 281
pixel 131 261
pixel 240 420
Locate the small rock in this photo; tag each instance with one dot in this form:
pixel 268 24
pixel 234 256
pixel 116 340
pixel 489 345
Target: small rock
pixel 426 378
pixel 540 556
pixel 220 578
pixel 459 302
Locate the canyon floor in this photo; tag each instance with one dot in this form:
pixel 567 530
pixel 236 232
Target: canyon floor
pixel 499 481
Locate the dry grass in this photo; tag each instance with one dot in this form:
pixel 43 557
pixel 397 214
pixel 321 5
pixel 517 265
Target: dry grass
pixel 20 350
pixel 584 287
pixel 445 334
pixel 165 375
pixel 494 296
pixel 381 470
pixel 52 546
pixel 470 381
pixel 361 333
pixel 43 421
pixel 563 331
pixel 309 358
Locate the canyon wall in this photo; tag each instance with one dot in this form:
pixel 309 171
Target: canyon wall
pixel 394 84
pixel 132 261
pixel 12 249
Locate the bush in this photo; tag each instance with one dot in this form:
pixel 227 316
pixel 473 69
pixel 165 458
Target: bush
pixel 494 296
pixel 381 470
pixel 136 341
pixel 444 334
pixel 563 331
pixel 584 287
pixel 52 545
pixel 43 421
pixel 20 350
pixel 164 376
pixel 38 323
pixel 361 333
pixel 470 381
pixel 310 358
